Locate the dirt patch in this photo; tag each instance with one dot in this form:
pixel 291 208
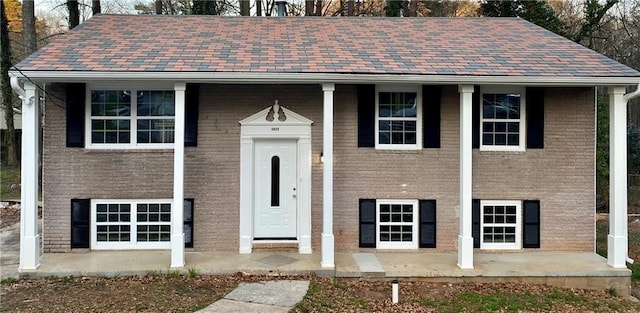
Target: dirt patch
pixel 174 293
pixel 9 214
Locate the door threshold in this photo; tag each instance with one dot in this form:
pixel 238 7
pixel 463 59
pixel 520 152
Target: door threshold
pixel 274 240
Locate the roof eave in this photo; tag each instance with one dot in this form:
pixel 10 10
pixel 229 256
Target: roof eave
pixel 312 78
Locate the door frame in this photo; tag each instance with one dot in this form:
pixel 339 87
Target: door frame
pixel 275 122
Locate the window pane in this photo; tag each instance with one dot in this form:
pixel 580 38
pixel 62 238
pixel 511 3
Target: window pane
pixel 513 140
pixel 384 138
pixel 384 98
pixel 110 103
pixel 487 139
pixel 385 111
pixel 156 103
pixel 500 139
pixel 488 101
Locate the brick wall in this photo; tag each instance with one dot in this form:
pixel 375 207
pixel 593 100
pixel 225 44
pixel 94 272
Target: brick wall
pixel 561 175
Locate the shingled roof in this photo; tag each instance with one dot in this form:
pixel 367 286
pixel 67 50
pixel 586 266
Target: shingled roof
pixel 508 47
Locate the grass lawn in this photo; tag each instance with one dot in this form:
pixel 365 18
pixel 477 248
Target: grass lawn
pixel 9 176
pixel 171 292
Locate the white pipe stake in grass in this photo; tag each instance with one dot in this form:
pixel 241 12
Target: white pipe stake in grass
pixel 394 291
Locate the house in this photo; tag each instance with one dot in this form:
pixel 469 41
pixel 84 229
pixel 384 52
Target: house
pixel 324 134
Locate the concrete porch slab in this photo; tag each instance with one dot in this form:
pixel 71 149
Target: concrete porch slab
pixel 563 269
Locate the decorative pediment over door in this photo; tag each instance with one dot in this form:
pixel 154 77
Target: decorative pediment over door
pixel 276 115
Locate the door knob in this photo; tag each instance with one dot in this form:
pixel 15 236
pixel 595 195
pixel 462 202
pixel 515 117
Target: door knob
pixel 295 193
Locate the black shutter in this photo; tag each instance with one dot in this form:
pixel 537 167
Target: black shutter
pixel 535 118
pixel 475 223
pixel 477 105
pixel 367 223
pixel 431 99
pixel 80 223
pixel 75 97
pixel 188 222
pixel 192 99
pixel 531 224
pixel 366 115
pixel 427 223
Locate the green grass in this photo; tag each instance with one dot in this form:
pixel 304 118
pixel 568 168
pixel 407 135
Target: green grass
pixel 9 176
pixel 501 301
pixel 8 281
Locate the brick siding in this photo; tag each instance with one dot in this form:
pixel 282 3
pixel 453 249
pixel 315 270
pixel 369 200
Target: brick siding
pixel 561 176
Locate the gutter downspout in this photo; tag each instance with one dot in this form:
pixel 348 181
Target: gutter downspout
pixel 626 98
pixel 632 95
pixel 15 85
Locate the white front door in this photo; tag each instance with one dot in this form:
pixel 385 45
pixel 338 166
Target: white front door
pixel 275 209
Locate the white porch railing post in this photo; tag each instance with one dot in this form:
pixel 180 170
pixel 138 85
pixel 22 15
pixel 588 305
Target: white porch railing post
pixel 29 237
pixel 617 239
pixel 177 209
pixel 327 177
pixel 465 239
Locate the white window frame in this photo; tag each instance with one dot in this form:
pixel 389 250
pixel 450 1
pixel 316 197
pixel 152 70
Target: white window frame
pixel 518 225
pixel 133 244
pixel 397 88
pixel 398 245
pixel 133 117
pixel 522 120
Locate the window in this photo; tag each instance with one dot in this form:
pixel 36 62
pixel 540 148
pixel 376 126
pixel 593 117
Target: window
pixel 117 119
pixel 129 224
pixel 397 224
pixel 502 120
pixel 500 225
pixel 398 118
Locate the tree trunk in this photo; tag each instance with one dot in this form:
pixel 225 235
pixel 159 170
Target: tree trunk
pixel 308 8
pixel 258 7
pixel 413 8
pixel 7 93
pixel 96 7
pixel 159 7
pixel 244 7
pixel 318 11
pixel 350 7
pixel 28 27
pixel 74 13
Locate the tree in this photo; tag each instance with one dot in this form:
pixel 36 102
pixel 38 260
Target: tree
pixel 396 8
pixel 538 12
pixel 7 93
pixel 244 7
pixel 593 14
pixel 74 13
pixel 204 7
pixel 29 27
pixel 96 7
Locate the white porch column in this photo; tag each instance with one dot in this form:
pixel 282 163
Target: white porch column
pixel 617 239
pixel 465 239
pixel 327 177
pixel 29 238
pixel 177 209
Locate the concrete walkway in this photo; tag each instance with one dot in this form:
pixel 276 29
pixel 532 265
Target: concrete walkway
pixel 9 251
pixel 264 297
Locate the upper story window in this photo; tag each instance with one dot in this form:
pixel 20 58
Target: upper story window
pixel 398 118
pixel 138 118
pixel 503 119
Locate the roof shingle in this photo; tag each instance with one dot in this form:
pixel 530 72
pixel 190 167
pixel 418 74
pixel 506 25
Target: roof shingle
pixel 423 46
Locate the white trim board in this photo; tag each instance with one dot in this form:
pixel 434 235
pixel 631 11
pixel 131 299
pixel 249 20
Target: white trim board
pixel 307 78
